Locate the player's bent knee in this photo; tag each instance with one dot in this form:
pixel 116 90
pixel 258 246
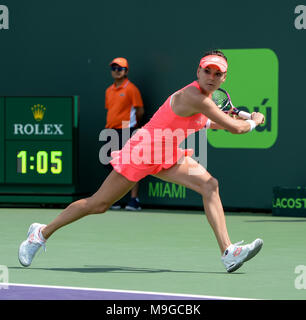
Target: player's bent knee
pixel 101 208
pixel 209 187
pixel 95 207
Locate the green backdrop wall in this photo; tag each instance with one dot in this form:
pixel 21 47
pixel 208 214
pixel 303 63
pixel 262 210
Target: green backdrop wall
pixel 64 48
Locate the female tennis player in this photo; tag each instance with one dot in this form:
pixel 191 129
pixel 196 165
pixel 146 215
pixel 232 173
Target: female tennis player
pixel 189 109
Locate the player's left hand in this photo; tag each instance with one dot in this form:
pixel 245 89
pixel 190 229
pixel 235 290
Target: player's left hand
pixel 256 114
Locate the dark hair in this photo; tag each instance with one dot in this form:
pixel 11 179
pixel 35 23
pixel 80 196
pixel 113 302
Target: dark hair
pixel 216 53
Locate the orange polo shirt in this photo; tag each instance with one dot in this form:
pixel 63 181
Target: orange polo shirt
pixel 120 103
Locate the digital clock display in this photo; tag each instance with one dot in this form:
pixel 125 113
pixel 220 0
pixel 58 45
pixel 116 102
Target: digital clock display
pixel 38 141
pixel 43 162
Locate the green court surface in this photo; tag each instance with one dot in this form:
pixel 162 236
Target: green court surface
pixel 158 251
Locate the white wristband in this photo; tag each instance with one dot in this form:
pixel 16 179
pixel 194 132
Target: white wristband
pixel 252 124
pixel 207 125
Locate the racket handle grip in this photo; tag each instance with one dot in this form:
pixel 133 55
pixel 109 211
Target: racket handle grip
pixel 244 115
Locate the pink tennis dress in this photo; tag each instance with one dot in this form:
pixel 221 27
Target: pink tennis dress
pixel 155 146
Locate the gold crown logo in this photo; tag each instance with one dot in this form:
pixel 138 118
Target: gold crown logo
pixel 38 112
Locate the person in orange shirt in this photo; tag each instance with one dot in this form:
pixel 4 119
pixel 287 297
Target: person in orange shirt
pixel 125 111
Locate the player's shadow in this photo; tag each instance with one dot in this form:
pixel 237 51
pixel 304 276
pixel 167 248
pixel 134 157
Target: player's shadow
pixel 121 269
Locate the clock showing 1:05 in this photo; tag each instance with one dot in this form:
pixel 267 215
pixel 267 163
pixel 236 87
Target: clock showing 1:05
pixel 42 162
pixel 38 145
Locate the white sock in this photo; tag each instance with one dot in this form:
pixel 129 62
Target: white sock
pixel 41 235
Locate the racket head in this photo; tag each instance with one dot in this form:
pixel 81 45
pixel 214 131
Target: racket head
pixel 222 99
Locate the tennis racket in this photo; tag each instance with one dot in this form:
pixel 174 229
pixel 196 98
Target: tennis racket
pixel 223 100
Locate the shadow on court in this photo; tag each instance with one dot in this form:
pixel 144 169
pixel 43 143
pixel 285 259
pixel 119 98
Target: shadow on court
pixel 120 269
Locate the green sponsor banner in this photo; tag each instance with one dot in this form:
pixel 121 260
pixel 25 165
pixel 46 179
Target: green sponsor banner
pixel 39 118
pixel 252 82
pixel 166 190
pixel 153 190
pixel 289 202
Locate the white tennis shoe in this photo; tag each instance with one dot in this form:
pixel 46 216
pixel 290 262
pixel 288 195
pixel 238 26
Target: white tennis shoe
pixel 235 255
pixel 29 247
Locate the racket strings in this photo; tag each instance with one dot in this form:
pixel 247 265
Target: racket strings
pixel 221 100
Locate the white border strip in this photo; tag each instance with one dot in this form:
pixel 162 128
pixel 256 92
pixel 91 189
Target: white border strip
pixel 123 291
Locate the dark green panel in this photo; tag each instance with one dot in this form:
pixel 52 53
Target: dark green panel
pixel 41 162
pixel 1 140
pixel 289 202
pixel 39 118
pixel 66 50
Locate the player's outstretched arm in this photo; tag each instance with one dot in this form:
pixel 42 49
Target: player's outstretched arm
pixel 214 125
pixel 198 102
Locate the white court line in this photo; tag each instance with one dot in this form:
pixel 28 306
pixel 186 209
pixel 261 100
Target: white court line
pixel 124 291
